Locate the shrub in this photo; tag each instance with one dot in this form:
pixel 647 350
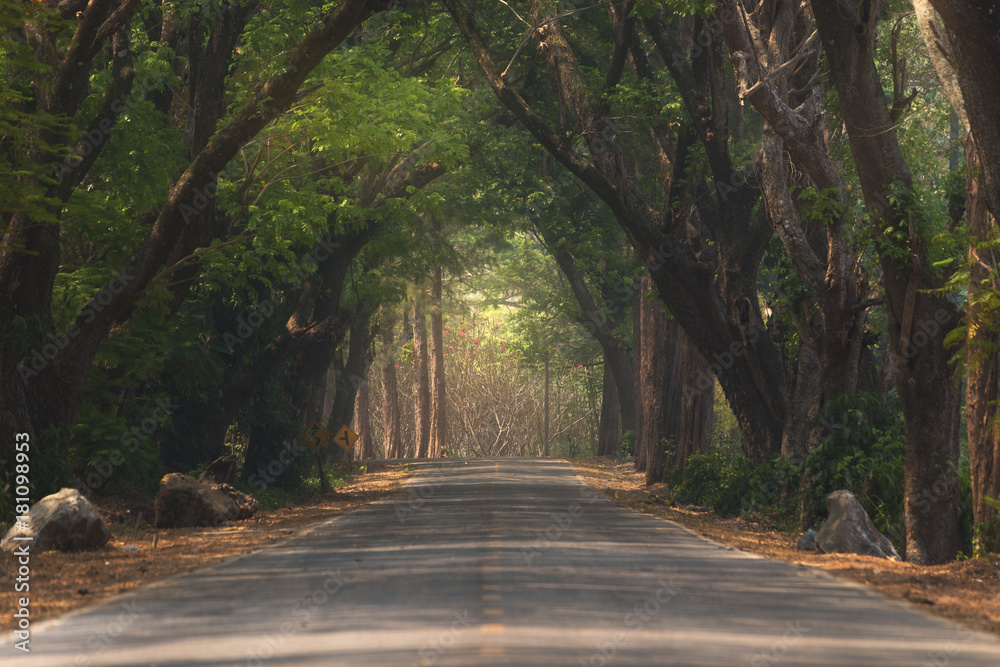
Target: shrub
pixel 703 473
pixel 626 448
pixel 863 452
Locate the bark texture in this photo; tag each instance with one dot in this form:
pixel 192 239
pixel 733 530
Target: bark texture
pixel 421 386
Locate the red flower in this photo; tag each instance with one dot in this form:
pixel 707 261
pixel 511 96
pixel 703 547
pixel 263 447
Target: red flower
pixel 580 366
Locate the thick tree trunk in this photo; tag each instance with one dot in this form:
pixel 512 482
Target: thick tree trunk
pixel 697 404
pixel 661 387
pixel 421 384
pixel 391 426
pixel 609 436
pixel 439 424
pixel 973 39
pixel 803 406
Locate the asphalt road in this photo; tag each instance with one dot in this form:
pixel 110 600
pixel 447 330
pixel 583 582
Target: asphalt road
pixel 502 562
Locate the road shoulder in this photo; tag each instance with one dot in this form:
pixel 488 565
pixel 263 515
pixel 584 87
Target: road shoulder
pixel 965 592
pixel 139 555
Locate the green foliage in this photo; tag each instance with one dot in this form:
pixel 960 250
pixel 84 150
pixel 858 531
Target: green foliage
pixel 733 488
pixel 702 475
pixel 27 135
pixel 626 448
pixel 985 533
pixel 815 205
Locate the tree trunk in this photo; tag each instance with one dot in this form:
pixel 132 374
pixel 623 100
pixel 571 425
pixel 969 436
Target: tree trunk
pixel 609 436
pixel 638 454
pixel 421 384
pixel 697 404
pixel 390 395
pixel 972 36
pixel 803 406
pixel 439 424
pixel 363 422
pixel 982 407
pixel 661 388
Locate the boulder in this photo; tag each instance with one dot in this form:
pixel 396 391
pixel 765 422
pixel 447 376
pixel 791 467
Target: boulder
pixel 849 530
pixel 807 541
pixel 219 471
pixel 65 521
pixel 184 501
pixel 246 505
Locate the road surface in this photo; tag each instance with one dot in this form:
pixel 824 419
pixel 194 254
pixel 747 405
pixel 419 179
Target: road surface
pixel 488 562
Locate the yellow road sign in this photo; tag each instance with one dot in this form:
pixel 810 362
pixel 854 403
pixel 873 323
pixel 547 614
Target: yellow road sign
pixel 316 435
pixel 345 438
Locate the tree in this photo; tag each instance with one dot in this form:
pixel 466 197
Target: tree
pixel 362 422
pixel 813 222
pixel 710 291
pixel 697 403
pixel 390 393
pixel 47 402
pixel 421 388
pixel 918 318
pixel 659 385
pixel 962 43
pixel 439 425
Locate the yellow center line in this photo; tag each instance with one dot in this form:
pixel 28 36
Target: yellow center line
pixel 491 587
pixel 490 611
pixel 490 597
pixel 492 650
pixel 492 628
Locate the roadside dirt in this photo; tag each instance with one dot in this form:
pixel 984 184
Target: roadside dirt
pixel 62 582
pixel 967 591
